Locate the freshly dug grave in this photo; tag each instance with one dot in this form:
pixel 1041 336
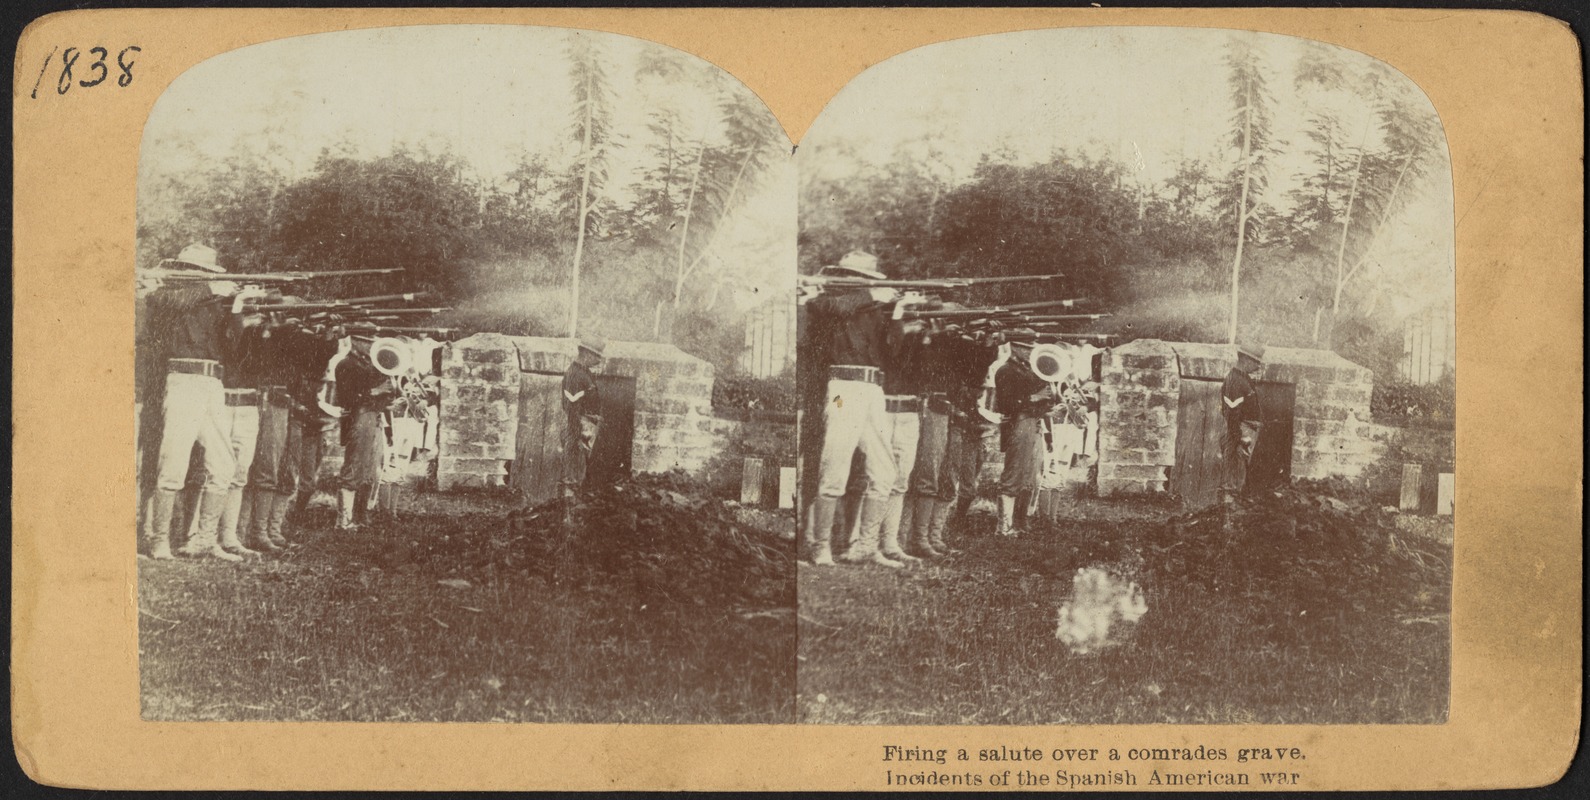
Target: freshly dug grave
pixel 656 538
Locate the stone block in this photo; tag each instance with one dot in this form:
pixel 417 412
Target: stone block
pixel 1156 362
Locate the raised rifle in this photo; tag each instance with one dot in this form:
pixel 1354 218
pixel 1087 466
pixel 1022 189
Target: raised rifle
pixel 1065 317
pixel 334 305
pixel 845 282
pixel 258 277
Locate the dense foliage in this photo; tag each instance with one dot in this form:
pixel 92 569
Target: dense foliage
pixel 1162 256
pixel 658 255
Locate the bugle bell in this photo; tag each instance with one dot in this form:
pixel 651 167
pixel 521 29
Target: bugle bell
pixel 392 356
pixel 1049 362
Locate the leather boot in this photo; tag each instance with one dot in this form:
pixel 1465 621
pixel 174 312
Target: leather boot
pixel 865 545
pixel 345 501
pixel 264 507
pixel 920 542
pixel 212 503
pixel 1007 516
pixel 277 519
pixel 160 511
pixel 851 521
pixel 889 540
pixel 941 517
pixel 907 521
pixel 820 530
pixel 229 523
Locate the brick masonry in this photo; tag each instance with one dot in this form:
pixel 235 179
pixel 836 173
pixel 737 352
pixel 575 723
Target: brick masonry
pixel 1140 395
pixel 481 378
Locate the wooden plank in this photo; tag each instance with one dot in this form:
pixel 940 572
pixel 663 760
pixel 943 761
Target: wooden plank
pixel 751 482
pixel 1410 487
pixel 1445 488
pixel 786 487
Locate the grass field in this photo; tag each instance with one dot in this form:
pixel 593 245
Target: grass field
pixel 972 640
pixel 359 627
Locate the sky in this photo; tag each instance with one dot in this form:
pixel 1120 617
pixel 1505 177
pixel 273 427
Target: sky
pixel 487 92
pixel 1147 97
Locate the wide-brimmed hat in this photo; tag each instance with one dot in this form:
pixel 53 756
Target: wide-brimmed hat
pixel 856 263
pixel 1252 350
pixel 201 256
pixel 594 343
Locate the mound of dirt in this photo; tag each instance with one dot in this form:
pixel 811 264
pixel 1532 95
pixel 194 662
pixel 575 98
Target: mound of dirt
pixel 1302 550
pixel 662 537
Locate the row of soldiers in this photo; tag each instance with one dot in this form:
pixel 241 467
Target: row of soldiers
pixel 907 395
pixel 236 373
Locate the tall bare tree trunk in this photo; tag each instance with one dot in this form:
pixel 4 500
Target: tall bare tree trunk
pixel 1242 205
pixel 1341 248
pixel 585 208
pixel 684 238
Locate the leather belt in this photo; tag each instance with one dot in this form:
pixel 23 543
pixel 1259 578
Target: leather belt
pixel 939 403
pixel 902 404
pixel 853 373
pixel 277 396
pixel 242 397
pixel 195 366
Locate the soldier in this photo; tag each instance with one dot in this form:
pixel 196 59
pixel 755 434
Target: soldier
pixel 364 393
pixel 189 325
pixel 1021 398
pixel 582 410
pixel 921 501
pixel 1243 421
pixel 241 379
pixel 903 381
pixel 963 364
pixel 295 357
pixel 849 332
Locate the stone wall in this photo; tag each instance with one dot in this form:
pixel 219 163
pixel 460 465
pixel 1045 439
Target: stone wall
pixel 479 412
pixel 481 379
pixel 1139 391
pixel 1332 434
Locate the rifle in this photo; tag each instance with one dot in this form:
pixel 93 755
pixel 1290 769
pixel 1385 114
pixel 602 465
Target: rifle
pixel 826 281
pixel 368 328
pixel 258 277
pixel 333 305
pixel 1065 317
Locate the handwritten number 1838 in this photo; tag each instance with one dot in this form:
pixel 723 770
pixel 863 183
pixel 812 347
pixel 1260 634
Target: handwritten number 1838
pixel 96 71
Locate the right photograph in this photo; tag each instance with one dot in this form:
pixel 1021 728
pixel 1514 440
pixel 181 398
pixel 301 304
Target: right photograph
pixel 1126 386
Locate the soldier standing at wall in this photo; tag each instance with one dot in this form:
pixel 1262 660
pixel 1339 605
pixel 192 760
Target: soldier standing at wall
pixel 1021 398
pixel 1240 404
pixel 582 410
pixel 850 330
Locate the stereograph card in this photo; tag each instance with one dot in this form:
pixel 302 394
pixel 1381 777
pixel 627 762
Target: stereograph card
pixel 797 399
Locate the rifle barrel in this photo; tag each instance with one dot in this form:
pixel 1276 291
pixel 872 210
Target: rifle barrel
pixel 260 277
pixel 331 305
pixel 1045 304
pixel 1065 317
pixel 1012 279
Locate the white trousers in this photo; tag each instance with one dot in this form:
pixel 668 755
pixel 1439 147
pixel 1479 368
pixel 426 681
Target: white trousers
pixel 195 412
pixel 905 432
pixel 854 417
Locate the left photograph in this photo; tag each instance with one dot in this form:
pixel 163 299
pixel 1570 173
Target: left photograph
pixel 465 384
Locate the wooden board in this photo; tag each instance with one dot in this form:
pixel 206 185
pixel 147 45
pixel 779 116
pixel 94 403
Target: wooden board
pixel 538 451
pixel 1199 470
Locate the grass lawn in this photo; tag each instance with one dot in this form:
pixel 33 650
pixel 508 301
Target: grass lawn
pixel 1231 635
pixel 359 627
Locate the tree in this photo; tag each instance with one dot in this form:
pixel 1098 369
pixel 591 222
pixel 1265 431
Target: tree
pixel 592 128
pixel 1251 138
